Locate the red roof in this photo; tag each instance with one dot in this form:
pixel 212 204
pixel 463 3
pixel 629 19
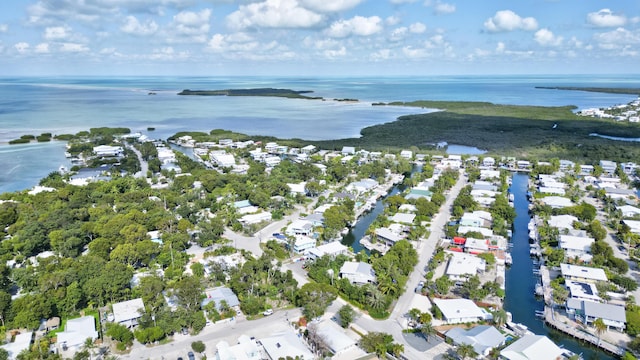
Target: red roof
pixel 459 240
pixel 456 249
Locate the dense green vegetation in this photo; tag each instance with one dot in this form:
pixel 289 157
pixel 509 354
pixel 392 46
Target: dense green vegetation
pixel 287 93
pixel 533 132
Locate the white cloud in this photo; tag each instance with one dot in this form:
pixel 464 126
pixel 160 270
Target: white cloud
pixel 398 2
pixel 22 47
pixel 617 38
pixel 507 20
pixel 606 18
pixel 635 19
pixel 273 14
pixel 392 20
pixel 417 28
pixel 414 53
pixel 441 8
pixel 332 54
pixel 574 42
pixel 382 54
pixel 501 47
pixel 545 37
pixel 398 34
pixel 42 48
pixel 358 25
pixel 73 47
pixel 189 23
pixel 4 28
pixel 133 26
pixel 57 33
pixel 328 6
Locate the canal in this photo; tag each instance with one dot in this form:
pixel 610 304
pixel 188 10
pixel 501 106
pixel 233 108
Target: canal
pixel 520 280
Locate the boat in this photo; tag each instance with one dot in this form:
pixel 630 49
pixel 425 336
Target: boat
pixel 539 290
pixel 540 313
pixel 508 259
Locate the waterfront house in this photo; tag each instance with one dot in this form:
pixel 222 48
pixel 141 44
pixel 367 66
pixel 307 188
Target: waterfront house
pixel 557 202
pixel 388 236
pixel 222 159
pixel 128 312
pixel 551 190
pixel 614 316
pixel 476 246
pixel 488 161
pixel 457 311
pixel 576 246
pixel 466 229
pixel 20 343
pixel 523 164
pixel 76 332
pixel 582 273
pixel 620 194
pixel 406 154
pixel 483 338
pixel 562 222
pixel 362 186
pixel 486 174
pixel 403 218
pixel 462 265
pixel 532 347
pixel 358 272
pixel 582 291
pixel 417 193
pixel 108 151
pixel 608 166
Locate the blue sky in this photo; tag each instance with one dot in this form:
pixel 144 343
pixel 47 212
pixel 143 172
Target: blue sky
pixel 318 37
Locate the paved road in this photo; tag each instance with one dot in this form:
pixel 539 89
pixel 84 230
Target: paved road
pixel 144 166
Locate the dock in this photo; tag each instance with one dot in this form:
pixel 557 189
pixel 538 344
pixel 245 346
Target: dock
pixel 580 334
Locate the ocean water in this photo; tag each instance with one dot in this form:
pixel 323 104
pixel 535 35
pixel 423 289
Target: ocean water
pixel 33 105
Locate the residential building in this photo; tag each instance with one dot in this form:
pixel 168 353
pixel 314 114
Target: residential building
pixel 406 154
pixel 608 167
pixel 388 236
pixel 128 312
pixel 462 265
pixel 628 211
pixel 576 246
pixel 256 218
pixel 562 221
pixel 348 150
pixel 336 337
pixel 358 272
pixel 614 316
pixel 76 332
pixel 331 249
pixel 108 151
pixel 245 349
pixel 286 345
pixel 483 338
pixel 532 347
pixel 457 311
pixel 582 291
pixel 582 273
pixel 20 342
pixel 488 161
pixel 300 227
pixel 303 244
pixel 218 295
pixel 557 202
pixel 403 218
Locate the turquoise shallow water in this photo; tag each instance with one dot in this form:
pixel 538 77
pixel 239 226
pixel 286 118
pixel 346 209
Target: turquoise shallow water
pixel 61 105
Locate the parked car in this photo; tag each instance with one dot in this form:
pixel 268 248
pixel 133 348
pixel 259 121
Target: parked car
pixel 268 312
pixel 191 355
pixel 418 289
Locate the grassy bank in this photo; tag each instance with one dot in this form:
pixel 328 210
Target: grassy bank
pixel 630 91
pixel 529 131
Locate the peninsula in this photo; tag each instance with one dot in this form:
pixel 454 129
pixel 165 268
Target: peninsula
pixel 631 91
pixel 287 93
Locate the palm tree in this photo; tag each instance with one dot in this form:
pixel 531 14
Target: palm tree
pixel 427 330
pixel 601 327
pixel 396 349
pixel 465 351
pixel 499 317
pixel 375 298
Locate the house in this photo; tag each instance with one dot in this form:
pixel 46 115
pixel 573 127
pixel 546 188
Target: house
pixel 403 218
pixel 582 273
pixel 417 193
pixel 608 167
pixel 489 174
pixel 488 161
pixel 462 265
pixel 634 226
pixel 388 236
pixel 128 312
pixel 335 337
pixel 557 202
pixel 532 347
pixel 331 249
pixel 476 246
pixel 620 194
pixel 362 186
pixel 586 170
pixel 576 246
pixel 222 159
pixel 628 211
pixel 562 221
pixel 20 342
pixel 406 154
pixel 257 218
pixel 457 311
pixel 303 243
pixel 466 229
pixel 551 190
pixel 582 291
pixel 108 151
pixel 299 188
pixel 271 147
pixel 286 345
pixel 614 316
pixel 566 165
pixel 245 349
pixel 358 272
pixel 300 227
pixel 76 332
pixel 309 149
pixel 348 150
pixel 219 295
pixel 483 338
pixel 523 164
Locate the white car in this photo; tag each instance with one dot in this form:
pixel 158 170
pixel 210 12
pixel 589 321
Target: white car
pixel 268 312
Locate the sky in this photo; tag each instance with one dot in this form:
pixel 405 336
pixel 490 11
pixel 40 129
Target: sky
pixel 318 37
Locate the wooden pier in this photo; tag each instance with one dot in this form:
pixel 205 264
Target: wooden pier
pixel 580 334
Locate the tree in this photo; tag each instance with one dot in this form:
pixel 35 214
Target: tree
pixel 347 315
pixel 443 284
pixel 315 298
pixel 427 330
pixel 188 292
pixel 198 346
pixel 601 327
pixel 500 317
pixel 465 351
pixel 120 333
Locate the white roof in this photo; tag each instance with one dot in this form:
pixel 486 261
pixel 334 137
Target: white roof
pixel 21 342
pixel 583 272
pixel 634 225
pixel 458 308
pixel 286 344
pixel 576 243
pixel 421 303
pixel 562 221
pixel 127 310
pixel 335 336
pixel 334 247
pixel 557 201
pixel 628 209
pixel 353 267
pixel 388 234
pixel 484 231
pixel 298 188
pixel 461 264
pixel 403 218
pixel 77 331
pixel 532 347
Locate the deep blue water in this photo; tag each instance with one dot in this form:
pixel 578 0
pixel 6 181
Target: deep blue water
pixel 521 281
pixel 33 105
